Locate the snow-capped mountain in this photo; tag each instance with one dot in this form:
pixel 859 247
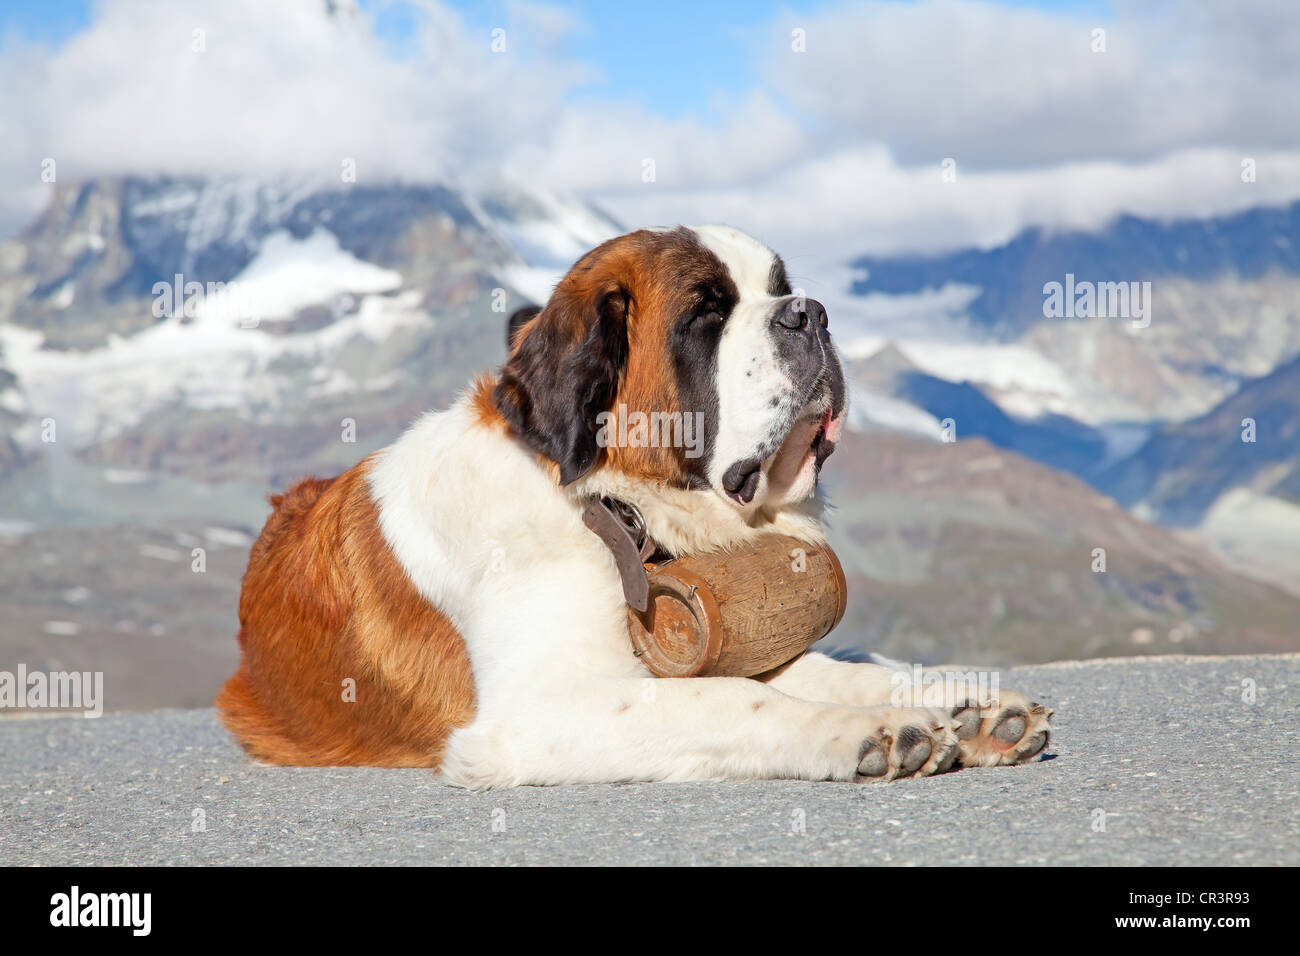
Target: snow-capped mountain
pixel 1224 307
pixel 250 308
pixel 1009 278
pixel 1150 409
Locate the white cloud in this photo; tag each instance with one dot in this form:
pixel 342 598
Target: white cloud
pixel 606 145
pixel 1005 86
pixel 294 85
pixel 835 154
pixel 1043 130
pixel 859 200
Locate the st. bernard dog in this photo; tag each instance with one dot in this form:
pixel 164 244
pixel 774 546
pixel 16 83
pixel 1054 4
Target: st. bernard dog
pixel 442 603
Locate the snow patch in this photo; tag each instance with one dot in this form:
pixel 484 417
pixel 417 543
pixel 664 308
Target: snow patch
pixel 209 362
pixel 122 476
pixel 534 282
pixel 64 297
pixel 289 274
pixel 1259 533
pixel 1019 379
pixel 227 537
pixel 566 229
pixel 868 409
pixel 15 528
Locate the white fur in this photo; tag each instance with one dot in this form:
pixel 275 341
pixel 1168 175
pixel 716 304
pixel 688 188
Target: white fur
pixel 757 398
pixel 754 391
pixel 487 537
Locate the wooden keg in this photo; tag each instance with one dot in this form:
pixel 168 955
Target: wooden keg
pixel 738 613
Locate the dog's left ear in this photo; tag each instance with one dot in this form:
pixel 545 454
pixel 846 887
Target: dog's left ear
pixel 563 372
pixel 518 319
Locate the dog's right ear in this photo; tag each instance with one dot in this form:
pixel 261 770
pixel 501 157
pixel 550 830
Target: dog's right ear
pixel 517 321
pixel 563 371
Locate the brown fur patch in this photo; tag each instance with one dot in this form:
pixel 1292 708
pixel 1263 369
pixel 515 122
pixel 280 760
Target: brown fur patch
pixel 486 413
pixel 659 274
pixel 324 600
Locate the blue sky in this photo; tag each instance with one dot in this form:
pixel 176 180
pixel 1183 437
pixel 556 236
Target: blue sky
pixel 675 57
pixel 47 21
pixel 671 56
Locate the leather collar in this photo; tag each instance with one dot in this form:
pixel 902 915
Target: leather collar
pixel 621 526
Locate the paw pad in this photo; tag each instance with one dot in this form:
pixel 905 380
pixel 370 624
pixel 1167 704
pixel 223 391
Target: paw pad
pixel 1017 730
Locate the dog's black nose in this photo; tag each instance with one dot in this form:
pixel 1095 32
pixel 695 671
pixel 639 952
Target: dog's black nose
pixel 799 313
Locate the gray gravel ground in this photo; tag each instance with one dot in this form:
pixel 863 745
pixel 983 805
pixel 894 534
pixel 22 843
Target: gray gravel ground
pixel 1184 769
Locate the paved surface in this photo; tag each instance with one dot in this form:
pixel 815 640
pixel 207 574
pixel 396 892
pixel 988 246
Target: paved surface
pixel 1183 768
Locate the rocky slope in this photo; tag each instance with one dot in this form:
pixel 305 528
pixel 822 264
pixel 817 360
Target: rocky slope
pixel 966 552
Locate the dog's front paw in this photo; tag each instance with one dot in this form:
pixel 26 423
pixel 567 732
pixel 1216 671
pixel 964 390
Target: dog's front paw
pixel 1013 730
pixel 908 742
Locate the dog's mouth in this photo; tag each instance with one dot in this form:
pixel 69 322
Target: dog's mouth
pixel 828 433
pixel 794 465
pixel 807 445
pixel 827 412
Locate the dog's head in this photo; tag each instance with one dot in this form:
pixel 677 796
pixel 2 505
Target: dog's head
pixel 680 357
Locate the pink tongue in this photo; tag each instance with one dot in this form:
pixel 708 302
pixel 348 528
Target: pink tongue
pixel 832 427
